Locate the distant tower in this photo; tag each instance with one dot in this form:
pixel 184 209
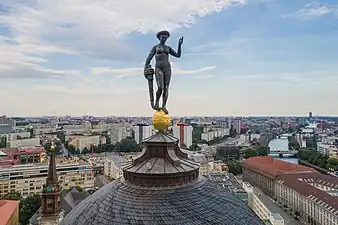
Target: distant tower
pixel 310 115
pixel 51 213
pixel 181 125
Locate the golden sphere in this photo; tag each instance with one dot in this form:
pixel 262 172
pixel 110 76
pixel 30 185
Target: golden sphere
pixel 161 121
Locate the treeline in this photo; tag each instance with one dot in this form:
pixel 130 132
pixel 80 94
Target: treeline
pixel 318 159
pixel 125 145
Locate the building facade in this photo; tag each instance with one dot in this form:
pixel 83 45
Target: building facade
pixel 183 133
pixel 29 179
pixel 304 192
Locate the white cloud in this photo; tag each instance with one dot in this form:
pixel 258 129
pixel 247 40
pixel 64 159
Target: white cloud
pixel 316 9
pixel 39 29
pixel 126 72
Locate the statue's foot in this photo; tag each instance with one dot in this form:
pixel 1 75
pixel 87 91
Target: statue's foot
pixel 164 109
pixel 156 106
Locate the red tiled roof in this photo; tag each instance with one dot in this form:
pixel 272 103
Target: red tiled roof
pixel 300 182
pixel 7 208
pixel 273 167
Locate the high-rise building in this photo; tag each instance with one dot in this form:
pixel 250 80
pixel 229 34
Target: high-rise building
pixel 183 133
pixel 310 115
pixel 237 125
pixel 117 134
pixel 142 131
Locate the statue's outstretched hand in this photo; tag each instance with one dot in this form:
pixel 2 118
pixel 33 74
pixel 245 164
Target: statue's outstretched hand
pixel 180 41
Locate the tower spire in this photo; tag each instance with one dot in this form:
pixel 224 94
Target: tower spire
pixel 51 193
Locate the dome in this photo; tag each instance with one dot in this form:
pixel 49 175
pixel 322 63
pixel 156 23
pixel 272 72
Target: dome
pixel 199 203
pixel 161 187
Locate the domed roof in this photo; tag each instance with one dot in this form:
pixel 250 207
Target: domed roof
pixel 200 202
pixel 161 187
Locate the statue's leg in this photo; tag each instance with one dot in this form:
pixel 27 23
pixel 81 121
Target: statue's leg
pixel 159 75
pixel 167 78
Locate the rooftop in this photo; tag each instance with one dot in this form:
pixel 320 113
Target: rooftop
pixel 274 167
pixel 227 181
pixel 305 184
pixel 7 208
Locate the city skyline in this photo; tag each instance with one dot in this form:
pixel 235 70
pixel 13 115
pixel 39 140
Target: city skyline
pixel 239 57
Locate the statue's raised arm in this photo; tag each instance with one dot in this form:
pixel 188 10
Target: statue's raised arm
pixel 162 70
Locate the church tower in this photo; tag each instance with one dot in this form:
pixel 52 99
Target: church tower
pixel 51 213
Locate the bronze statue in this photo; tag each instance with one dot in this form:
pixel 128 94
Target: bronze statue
pixel 162 70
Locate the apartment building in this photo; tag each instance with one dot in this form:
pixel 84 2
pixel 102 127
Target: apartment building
pixel 117 133
pixel 327 149
pixel 81 142
pixel 310 195
pixel 18 135
pixel 212 134
pixel 24 142
pixel 183 133
pixel 29 179
pixel 142 131
pixel 113 166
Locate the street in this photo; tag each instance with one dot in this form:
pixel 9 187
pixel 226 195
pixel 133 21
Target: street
pixel 274 208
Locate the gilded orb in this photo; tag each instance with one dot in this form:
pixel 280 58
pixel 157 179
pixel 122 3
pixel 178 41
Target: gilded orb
pixel 161 121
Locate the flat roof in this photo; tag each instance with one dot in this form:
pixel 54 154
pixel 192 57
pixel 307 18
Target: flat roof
pixel 227 181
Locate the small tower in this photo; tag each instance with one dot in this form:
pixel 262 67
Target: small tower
pixel 51 213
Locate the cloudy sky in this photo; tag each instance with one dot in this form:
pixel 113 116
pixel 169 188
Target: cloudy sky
pixel 240 57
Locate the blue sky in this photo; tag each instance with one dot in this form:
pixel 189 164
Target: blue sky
pixel 255 57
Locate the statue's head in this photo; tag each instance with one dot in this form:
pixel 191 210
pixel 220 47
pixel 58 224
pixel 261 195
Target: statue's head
pixel 163 36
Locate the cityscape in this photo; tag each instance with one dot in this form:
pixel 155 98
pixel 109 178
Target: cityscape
pixel 193 112
pixel 284 168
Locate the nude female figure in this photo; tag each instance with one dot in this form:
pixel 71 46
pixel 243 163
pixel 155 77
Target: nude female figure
pixel 162 69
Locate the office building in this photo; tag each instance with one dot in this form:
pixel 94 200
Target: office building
pixel 29 179
pixel 183 133
pixel 9 212
pixel 303 191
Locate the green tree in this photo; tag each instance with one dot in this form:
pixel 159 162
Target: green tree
pixel 250 153
pixel 28 207
pixel 12 196
pixel 3 141
pixel 332 163
pixel 127 145
pixel 62 136
pixel 262 150
pixel 85 151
